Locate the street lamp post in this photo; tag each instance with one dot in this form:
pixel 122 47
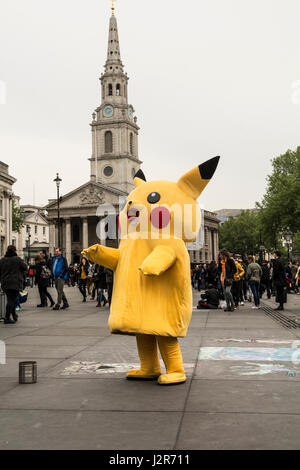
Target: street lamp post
pixel 29 236
pixel 57 181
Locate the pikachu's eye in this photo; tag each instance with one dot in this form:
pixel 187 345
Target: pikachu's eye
pixel 153 198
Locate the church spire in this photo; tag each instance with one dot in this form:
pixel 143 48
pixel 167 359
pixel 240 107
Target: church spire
pixel 113 61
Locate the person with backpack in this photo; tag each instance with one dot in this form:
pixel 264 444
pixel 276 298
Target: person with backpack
pixel 42 276
pixel 60 275
pixel 12 270
pixel 254 273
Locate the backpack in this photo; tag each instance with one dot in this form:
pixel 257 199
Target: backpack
pixel 45 273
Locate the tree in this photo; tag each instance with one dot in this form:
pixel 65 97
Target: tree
pixel 280 206
pixel 241 234
pixel 18 218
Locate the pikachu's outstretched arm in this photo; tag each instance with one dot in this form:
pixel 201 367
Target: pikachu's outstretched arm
pixel 103 255
pixel 159 260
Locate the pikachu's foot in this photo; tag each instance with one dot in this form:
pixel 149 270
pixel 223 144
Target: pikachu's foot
pixel 140 374
pixel 174 378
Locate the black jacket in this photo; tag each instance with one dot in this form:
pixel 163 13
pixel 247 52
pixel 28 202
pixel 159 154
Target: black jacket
pixel 39 280
pixel 12 272
pixel 279 277
pixel 265 274
pixel 212 297
pixel 212 275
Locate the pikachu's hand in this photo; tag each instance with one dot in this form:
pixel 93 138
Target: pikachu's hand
pixel 86 253
pixel 103 255
pixel 159 261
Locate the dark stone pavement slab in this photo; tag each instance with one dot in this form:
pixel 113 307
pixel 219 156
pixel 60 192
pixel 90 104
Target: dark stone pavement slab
pixel 58 340
pixel 41 352
pixel 65 331
pixel 239 431
pixel 88 430
pixel 102 394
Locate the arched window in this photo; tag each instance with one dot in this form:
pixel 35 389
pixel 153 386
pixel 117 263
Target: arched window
pixel 131 144
pixel 118 89
pixel 110 89
pixel 108 142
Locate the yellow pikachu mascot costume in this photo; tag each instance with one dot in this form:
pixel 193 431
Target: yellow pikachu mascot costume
pixel 152 295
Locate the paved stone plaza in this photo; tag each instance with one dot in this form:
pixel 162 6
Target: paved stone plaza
pixel 242 390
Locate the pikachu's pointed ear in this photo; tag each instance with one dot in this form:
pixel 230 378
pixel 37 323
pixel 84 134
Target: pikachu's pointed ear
pixel 139 178
pixel 193 182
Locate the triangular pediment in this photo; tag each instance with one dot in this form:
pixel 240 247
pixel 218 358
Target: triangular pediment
pixel 35 218
pixel 90 194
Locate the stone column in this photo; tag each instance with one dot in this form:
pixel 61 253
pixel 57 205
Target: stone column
pixel 51 238
pixel 85 233
pixel 68 241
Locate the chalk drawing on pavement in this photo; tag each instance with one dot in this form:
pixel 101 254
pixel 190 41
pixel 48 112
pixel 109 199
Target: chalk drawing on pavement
pixel 255 368
pixel 246 354
pixel 86 367
pixel 251 340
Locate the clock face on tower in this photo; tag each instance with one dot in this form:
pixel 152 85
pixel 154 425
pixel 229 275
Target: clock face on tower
pixel 130 113
pixel 108 111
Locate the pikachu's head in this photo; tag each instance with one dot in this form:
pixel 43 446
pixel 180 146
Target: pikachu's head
pixel 163 209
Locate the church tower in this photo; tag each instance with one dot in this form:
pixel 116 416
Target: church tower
pixel 114 159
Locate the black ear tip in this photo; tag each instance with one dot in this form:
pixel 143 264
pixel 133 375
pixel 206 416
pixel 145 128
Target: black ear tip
pixel 139 174
pixel 208 168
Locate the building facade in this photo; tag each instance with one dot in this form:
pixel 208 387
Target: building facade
pixel 6 198
pixel 210 244
pixel 35 232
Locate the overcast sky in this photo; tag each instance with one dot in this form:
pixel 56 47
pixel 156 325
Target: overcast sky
pixel 206 78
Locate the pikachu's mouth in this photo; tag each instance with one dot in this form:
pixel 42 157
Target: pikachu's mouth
pixel 133 216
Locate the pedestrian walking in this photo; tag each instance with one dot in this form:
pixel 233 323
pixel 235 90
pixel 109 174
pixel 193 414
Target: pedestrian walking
pixel 83 277
pixel 236 283
pixel 42 276
pixel 12 272
pixel 254 273
pixel 265 280
pixel 227 270
pixel 109 276
pixel 90 277
pixel 101 286
pixel 60 274
pixel 279 279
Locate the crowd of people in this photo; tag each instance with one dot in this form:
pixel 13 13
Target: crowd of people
pixel 227 283
pixel 234 279
pixel 91 279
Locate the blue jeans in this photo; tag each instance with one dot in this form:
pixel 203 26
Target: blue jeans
pixel 101 296
pixel 254 286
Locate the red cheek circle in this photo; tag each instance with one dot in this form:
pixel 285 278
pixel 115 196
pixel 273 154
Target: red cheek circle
pixel 160 217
